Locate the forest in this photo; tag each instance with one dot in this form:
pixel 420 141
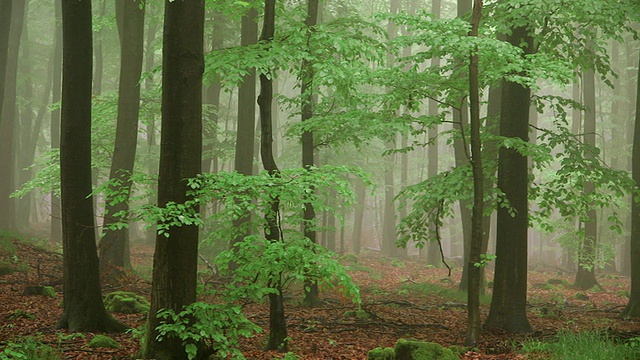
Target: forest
pixel 319 179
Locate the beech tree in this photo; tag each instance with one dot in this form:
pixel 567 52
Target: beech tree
pixel 176 253
pixel 115 240
pixel 83 307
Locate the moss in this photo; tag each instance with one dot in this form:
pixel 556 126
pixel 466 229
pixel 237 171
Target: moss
pixel 623 293
pixel 360 314
pixel 422 350
pixel 558 282
pixel 398 263
pixel 126 303
pixel 40 290
pixel 349 258
pixel 581 296
pixel 381 354
pixel 102 341
pixel 461 350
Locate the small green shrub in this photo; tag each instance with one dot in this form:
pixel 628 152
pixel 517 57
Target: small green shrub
pixel 397 263
pixel 581 296
pixel 29 348
pixel 623 293
pixel 21 314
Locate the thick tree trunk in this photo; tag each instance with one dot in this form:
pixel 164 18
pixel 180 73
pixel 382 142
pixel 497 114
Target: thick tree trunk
pixel 83 307
pixel 8 125
pixel 508 305
pixel 176 255
pixel 633 306
pixel 114 242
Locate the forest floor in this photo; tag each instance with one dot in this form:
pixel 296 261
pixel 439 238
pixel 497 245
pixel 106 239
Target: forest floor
pixel 403 300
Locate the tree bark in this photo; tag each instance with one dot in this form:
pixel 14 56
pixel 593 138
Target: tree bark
pixel 83 307
pixel 9 121
pixel 277 323
pixel 475 248
pixel 633 306
pixel 508 304
pixel 176 255
pixel 311 298
pixel 56 221
pixel 114 242
pixel 585 277
pixel 5 26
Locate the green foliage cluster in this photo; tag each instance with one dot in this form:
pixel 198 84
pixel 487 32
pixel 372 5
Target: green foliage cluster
pixel 29 348
pixel 218 326
pixel 581 345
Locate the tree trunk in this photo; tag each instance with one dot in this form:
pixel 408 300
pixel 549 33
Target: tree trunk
pixel 9 122
pixel 585 277
pixel 5 26
pixel 433 248
pixel 358 215
pixel 83 307
pixel 508 305
pixel 633 306
pixel 56 222
pixel 176 255
pixel 475 248
pixel 277 324
pixel 461 154
pixel 114 242
pixel 311 298
pixel 99 59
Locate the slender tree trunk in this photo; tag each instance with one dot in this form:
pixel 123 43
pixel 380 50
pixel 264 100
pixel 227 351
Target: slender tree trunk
pixel 114 242
pixel 5 26
pixel 585 277
pixel 461 154
pixel 83 307
pixel 311 297
pixel 56 94
pixel 277 323
pixel 475 248
pixel 433 248
pixel 9 122
pixel 99 58
pixel 358 215
pixel 633 306
pixel 245 134
pixel 176 255
pixel 508 304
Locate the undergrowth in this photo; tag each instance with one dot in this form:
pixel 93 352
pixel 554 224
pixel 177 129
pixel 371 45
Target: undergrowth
pixel 585 345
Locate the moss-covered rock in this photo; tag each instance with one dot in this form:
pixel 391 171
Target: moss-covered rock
pixel 349 258
pixel 126 303
pixel 381 354
pixel 103 341
pixel 581 296
pixel 422 350
pixel 39 290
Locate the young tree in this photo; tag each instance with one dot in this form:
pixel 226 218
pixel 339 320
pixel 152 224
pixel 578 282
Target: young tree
pixel 115 240
pixel 5 25
pixel 176 253
pixel 83 307
pixel 508 304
